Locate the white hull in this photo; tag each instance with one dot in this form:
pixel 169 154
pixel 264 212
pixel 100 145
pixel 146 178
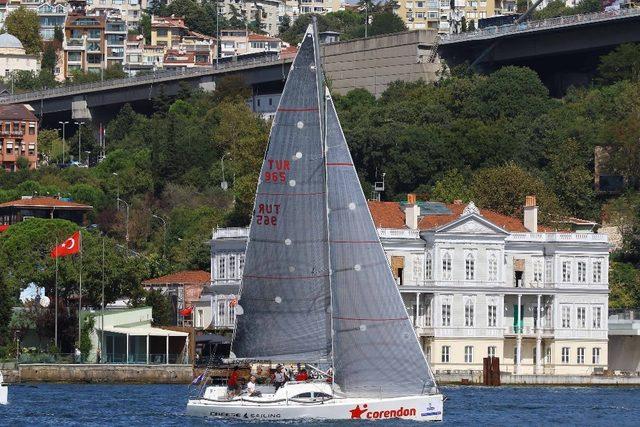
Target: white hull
pixel 419 408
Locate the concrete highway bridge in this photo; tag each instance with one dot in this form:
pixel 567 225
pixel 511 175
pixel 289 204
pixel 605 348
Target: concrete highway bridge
pixel 102 100
pixel 564 51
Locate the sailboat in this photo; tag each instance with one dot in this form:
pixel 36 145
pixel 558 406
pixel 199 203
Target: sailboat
pixel 4 392
pixel 317 287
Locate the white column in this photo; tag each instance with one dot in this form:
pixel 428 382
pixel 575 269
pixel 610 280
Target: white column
pixel 126 358
pixel 417 313
pixel 539 339
pixel 147 349
pixel 167 359
pixel 186 348
pixel 519 335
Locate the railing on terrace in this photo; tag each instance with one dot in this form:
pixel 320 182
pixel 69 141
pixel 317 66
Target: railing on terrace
pixel 558 237
pixel 542 24
pixel 398 233
pixel 220 233
pixel 157 76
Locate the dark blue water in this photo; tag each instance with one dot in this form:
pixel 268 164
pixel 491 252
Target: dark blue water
pixel 164 405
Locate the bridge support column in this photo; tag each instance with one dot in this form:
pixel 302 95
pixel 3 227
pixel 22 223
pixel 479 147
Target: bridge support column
pixel 80 110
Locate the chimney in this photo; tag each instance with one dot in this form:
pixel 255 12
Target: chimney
pixel 411 212
pixel 531 214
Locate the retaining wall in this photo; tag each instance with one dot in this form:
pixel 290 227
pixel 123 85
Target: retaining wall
pixel 141 374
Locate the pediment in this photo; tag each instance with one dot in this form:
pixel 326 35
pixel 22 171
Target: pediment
pixel 471 224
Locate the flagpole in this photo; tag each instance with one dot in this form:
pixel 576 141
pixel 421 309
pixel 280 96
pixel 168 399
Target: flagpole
pixel 80 293
pixel 102 314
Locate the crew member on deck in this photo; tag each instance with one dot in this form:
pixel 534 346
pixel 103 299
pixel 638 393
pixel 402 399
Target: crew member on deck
pixel 279 377
pixel 302 375
pixel 233 386
pixel 251 387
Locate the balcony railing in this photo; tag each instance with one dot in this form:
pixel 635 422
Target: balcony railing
pixel 543 24
pixel 398 233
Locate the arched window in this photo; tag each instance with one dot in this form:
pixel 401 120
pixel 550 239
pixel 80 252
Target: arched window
pixel 468 312
pixel 493 268
pixel 446 266
pixel 428 266
pixel 470 266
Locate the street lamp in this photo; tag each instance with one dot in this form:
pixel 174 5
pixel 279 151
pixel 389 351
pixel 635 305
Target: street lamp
pixel 79 142
pixel 126 226
pixel 117 191
pixel 164 238
pixel 63 138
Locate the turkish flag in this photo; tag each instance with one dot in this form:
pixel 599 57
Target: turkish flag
pixel 4 227
pixel 68 247
pixel 186 311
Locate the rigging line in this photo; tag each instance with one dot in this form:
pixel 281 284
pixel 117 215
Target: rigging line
pixel 297 110
pixel 339 164
pixel 353 241
pixel 319 193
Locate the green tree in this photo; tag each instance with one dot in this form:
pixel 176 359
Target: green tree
pixel 504 189
pixel 144 27
pixel 285 24
pixel 49 58
pixel 624 285
pixel 25 25
pixel 623 63
pixel 453 186
pixel 7 301
pixel 386 23
pixel 161 308
pixel 22 163
pixel 58 34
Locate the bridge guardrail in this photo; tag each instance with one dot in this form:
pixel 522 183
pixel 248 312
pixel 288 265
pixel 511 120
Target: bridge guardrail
pixel 158 76
pixel 561 21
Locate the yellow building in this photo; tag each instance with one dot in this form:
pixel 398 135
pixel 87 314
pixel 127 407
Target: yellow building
pixel 167 31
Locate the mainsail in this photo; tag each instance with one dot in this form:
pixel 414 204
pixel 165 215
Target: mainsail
pixel 376 352
pixel 317 284
pixel 285 292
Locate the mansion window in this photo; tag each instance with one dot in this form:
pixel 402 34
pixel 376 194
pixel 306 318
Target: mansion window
pixel 582 317
pixel 582 271
pixel 470 266
pixel 595 355
pixel 566 271
pixel 597 271
pixel 446 314
pixel 491 351
pixel 565 354
pixel 492 316
pixel 446 354
pixel 417 269
pixel 468 312
pixel 240 265
pixel 548 270
pixel 493 268
pixel 428 267
pixel 222 267
pixel 232 266
pixel 537 271
pixel 596 318
pixel 580 355
pixel 566 316
pixel 446 266
pixel 468 354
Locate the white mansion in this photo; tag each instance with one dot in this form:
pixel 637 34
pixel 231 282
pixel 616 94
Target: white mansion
pixel 478 283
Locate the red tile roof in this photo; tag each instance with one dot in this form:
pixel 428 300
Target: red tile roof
pixel 16 112
pixel 188 277
pixel 46 203
pixel 262 38
pixel 390 215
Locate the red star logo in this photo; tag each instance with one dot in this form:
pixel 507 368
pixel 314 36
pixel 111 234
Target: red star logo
pixel 357 412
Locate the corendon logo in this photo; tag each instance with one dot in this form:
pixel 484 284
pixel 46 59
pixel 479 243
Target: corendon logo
pixel 357 413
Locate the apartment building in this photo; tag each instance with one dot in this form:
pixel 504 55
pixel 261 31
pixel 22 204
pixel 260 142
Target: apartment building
pixel 116 39
pixel 130 10
pixel 84 41
pixel 267 11
pixel 241 42
pixel 167 31
pixel 477 283
pixel 52 15
pixel 320 6
pixel 18 136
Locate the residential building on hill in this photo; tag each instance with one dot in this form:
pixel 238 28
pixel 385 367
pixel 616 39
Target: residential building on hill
pixel 477 283
pixel 130 10
pixel 18 136
pixel 84 43
pixel 51 15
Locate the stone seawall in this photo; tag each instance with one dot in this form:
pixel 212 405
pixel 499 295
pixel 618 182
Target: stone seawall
pixel 475 378
pixel 120 374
